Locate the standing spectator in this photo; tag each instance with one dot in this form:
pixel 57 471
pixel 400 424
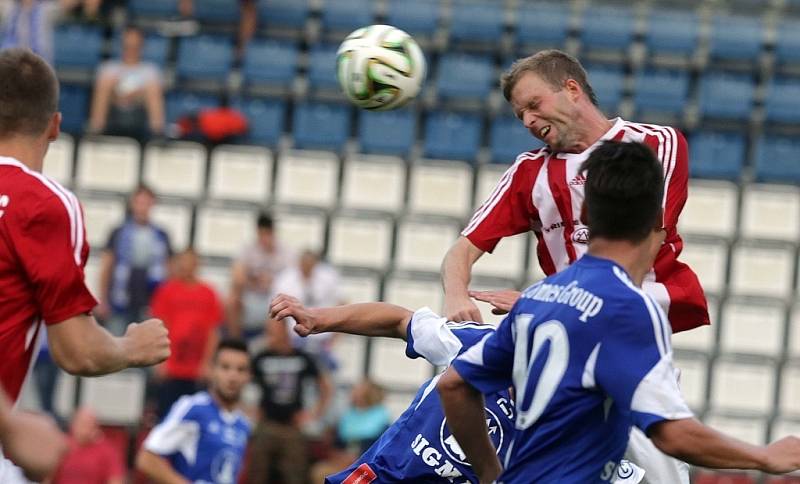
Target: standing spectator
pixel 91 459
pixel 128 97
pixel 315 284
pixel 192 312
pixel 134 263
pixel 30 24
pixel 278 443
pixel 252 275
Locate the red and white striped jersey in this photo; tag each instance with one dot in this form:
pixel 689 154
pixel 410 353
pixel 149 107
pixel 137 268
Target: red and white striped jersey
pixel 43 251
pixel 543 191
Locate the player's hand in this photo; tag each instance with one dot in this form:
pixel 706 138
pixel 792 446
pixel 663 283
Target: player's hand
pixel 783 456
pixel 501 301
pixel 284 306
pixel 462 310
pixel 147 343
pixel 34 443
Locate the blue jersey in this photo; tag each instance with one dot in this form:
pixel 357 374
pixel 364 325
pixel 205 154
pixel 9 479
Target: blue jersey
pixel 588 354
pixel 203 443
pixel 418 447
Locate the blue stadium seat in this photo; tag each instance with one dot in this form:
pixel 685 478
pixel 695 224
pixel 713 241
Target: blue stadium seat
pixel 270 62
pixel 509 138
pixel 283 13
pixel 463 76
pixel 452 136
pixel 346 15
pixel 787 43
pixel 204 58
pixel 183 103
pixel 672 32
pixel 776 159
pixel 155 49
pixel 387 132
pixel 607 28
pixel 736 38
pixel 322 67
pixel 73 102
pixel 783 101
pixel 153 8
pixel 661 91
pixel 608 84
pixel 321 126
pixel 716 155
pixel 77 47
pixel 417 17
pixel 542 24
pixel 477 22
pixel 216 11
pixel 726 96
pixel 265 118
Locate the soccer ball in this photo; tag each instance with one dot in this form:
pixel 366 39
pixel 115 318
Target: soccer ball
pixel 380 67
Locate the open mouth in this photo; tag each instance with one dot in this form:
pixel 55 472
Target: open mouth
pixel 544 132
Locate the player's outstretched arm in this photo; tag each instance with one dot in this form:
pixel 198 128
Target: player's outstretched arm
pixel 698 444
pixel 157 468
pixel 366 319
pixel 456 274
pixel 463 406
pixel 82 347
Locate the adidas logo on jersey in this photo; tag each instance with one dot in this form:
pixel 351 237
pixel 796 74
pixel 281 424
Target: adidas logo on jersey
pixel 579 179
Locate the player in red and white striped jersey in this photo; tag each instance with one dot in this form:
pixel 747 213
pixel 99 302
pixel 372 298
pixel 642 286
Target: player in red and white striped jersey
pixel 543 192
pixel 43 248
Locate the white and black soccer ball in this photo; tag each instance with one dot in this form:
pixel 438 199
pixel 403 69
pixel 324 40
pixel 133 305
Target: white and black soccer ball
pixel 380 67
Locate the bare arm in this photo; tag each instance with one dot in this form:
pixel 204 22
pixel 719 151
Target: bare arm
pixel 106 268
pixel 366 319
pixel 325 394
pixel 82 347
pixel 154 100
pixel 456 275
pixel 157 469
pixel 101 102
pixel 464 409
pixel 238 280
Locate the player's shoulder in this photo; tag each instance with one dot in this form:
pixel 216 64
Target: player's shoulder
pixel 37 193
pixel 656 132
pixel 193 406
pixel 530 158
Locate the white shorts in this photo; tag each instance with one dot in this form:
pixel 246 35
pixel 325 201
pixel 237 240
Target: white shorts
pixel 654 466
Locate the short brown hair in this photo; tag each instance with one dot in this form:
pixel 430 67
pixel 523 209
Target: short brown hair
pixel 553 66
pixel 28 93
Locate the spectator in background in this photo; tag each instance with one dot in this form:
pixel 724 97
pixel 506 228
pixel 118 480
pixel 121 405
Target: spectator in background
pixel 315 284
pixel 278 444
pixel 128 97
pixel 133 264
pixel 192 312
pixel 252 275
pixel 30 23
pixel 91 459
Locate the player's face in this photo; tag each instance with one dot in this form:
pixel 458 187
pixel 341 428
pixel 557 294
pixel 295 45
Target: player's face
pixel 230 372
pixel 546 112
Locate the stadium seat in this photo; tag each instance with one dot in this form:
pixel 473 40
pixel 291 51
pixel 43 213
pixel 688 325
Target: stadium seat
pixel 417 17
pixel 702 339
pixel 349 351
pixel 506 261
pixel 322 68
pixel 440 188
pixel 607 83
pixel 709 259
pixel 793 349
pixel 222 232
pixel 77 47
pixel 389 366
pixel 270 63
pixel 176 219
pixel 307 178
pixel 693 381
pixel 108 164
pixel 782 427
pixel 176 169
pixel 414 293
pixel 360 240
pixel 283 13
pixel 489 176
pixel 345 16
pixel 464 77
pixel 452 136
pixel 73 102
pixel 752 327
pixel 372 182
pixel 421 243
pixel 241 173
pixel 265 120
pixel 58 161
pixel 535 272
pixel 359 287
pixel 607 28
pixel 117 398
pixel 742 387
pixel 672 33
pixel 787 43
pixel 159 9
pixel 179 104
pixel 215 63
pixel 301 230
pixel 321 126
pixel 218 275
pixel 762 270
pixel 790 391
pixel 776 159
pixel 102 216
pixel 736 38
pixel 782 104
pixel 716 154
pixel 542 24
pixel 476 22
pixel 661 91
pixel 387 132
pixel 726 96
pixel 770 212
pixel 156 48
pixel 508 138
pixel 216 12
pixel 711 207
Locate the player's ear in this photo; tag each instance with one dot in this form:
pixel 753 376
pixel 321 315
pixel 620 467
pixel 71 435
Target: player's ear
pixel 54 128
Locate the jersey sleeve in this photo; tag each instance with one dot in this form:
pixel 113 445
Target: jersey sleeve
pixel 178 432
pixel 487 365
pixel 509 209
pixel 50 244
pixel 438 340
pixel 634 366
pixel 672 151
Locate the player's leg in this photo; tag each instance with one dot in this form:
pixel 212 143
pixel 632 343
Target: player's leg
pixel 259 455
pixel 292 460
pixel 659 467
